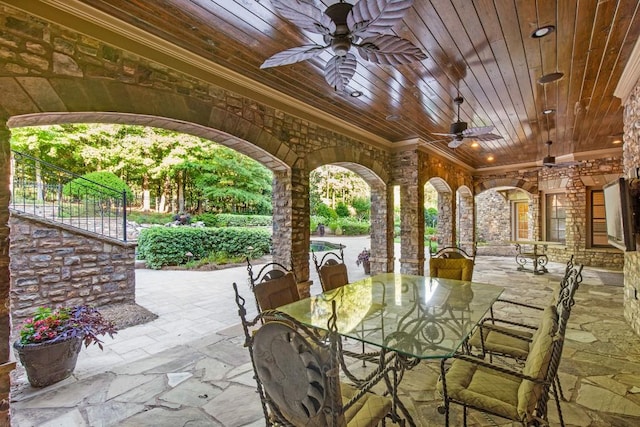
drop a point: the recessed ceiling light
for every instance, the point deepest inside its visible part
(393, 117)
(616, 141)
(475, 144)
(543, 31)
(548, 111)
(551, 77)
(355, 94)
(490, 158)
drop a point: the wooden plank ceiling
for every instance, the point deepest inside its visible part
(481, 49)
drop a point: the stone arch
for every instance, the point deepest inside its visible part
(248, 148)
(529, 186)
(353, 159)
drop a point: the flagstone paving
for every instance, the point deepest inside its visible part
(189, 368)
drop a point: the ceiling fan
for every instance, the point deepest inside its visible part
(459, 131)
(549, 161)
(364, 25)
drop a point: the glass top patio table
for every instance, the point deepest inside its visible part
(417, 316)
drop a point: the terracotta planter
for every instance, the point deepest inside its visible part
(47, 363)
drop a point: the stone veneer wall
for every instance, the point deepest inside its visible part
(575, 182)
(493, 221)
(631, 162)
(55, 265)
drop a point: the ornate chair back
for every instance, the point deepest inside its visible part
(273, 286)
(455, 252)
(331, 269)
(297, 374)
(451, 268)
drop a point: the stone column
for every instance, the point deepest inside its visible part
(446, 214)
(381, 229)
(5, 281)
(465, 223)
(291, 224)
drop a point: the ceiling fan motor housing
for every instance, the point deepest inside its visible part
(457, 127)
(338, 13)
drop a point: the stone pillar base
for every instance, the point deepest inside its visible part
(304, 288)
(412, 266)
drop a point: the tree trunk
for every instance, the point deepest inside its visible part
(146, 195)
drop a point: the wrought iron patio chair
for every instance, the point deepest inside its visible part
(515, 340)
(331, 269)
(273, 286)
(298, 376)
(495, 389)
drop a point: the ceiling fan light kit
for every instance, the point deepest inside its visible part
(365, 25)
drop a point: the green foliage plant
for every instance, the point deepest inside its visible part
(234, 220)
(325, 211)
(97, 185)
(342, 210)
(159, 218)
(161, 246)
(362, 207)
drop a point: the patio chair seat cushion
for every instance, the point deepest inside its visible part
(500, 343)
(451, 268)
(482, 387)
(537, 363)
(367, 411)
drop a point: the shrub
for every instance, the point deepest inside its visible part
(362, 206)
(94, 185)
(150, 217)
(161, 246)
(234, 220)
(342, 210)
(326, 212)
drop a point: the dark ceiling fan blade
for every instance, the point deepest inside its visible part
(340, 70)
(293, 55)
(369, 17)
(305, 15)
(390, 50)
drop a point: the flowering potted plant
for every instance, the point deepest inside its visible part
(363, 258)
(51, 340)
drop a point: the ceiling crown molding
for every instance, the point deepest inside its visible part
(630, 75)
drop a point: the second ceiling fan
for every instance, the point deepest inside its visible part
(460, 132)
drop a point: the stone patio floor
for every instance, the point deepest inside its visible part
(189, 368)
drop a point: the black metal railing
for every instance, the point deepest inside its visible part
(45, 190)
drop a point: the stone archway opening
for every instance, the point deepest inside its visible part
(381, 246)
(504, 214)
(446, 220)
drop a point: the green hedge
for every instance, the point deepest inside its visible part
(349, 227)
(160, 246)
(233, 220)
